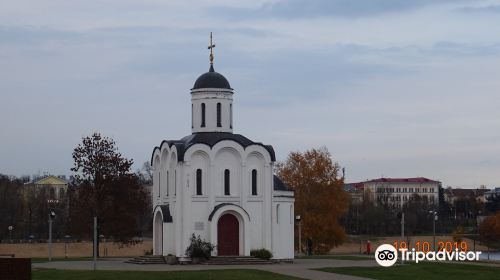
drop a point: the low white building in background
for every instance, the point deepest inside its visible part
(218, 184)
(55, 186)
(396, 191)
(491, 193)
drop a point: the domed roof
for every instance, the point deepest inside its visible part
(211, 79)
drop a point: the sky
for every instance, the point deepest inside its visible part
(391, 88)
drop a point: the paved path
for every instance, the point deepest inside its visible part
(300, 268)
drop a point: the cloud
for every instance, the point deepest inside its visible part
(324, 8)
(480, 9)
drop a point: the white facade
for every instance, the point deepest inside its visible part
(219, 185)
(398, 191)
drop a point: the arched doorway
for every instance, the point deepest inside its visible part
(228, 236)
(158, 234)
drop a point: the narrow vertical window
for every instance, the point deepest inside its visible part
(167, 183)
(159, 183)
(231, 115)
(227, 186)
(202, 114)
(175, 182)
(254, 182)
(192, 116)
(219, 123)
(199, 180)
(278, 214)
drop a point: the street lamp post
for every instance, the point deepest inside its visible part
(52, 215)
(95, 243)
(102, 240)
(297, 218)
(403, 231)
(10, 228)
(66, 238)
(434, 219)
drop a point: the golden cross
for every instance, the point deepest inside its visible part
(211, 47)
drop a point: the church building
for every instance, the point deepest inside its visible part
(218, 184)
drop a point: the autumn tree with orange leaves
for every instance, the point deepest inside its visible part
(489, 230)
(319, 196)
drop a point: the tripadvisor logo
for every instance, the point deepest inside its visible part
(387, 255)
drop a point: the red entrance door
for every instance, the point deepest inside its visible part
(228, 236)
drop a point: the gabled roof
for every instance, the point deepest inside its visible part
(210, 139)
(402, 180)
(280, 185)
(51, 180)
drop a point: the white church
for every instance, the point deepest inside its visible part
(218, 184)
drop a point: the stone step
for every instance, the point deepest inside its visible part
(144, 262)
(147, 260)
(236, 260)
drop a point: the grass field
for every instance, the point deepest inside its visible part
(339, 257)
(239, 274)
(421, 271)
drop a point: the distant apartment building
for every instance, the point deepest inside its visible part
(451, 195)
(356, 192)
(491, 193)
(394, 191)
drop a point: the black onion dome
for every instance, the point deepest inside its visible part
(211, 79)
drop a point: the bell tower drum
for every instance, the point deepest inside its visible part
(212, 101)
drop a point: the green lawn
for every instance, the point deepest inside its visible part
(427, 271)
(239, 274)
(335, 257)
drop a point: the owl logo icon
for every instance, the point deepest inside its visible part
(386, 255)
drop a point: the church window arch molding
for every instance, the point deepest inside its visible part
(163, 171)
(229, 154)
(156, 175)
(199, 160)
(158, 233)
(171, 178)
(258, 153)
